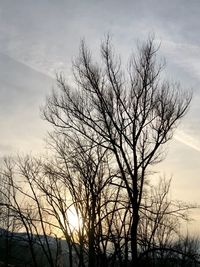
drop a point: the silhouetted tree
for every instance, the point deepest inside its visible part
(131, 114)
(82, 168)
(25, 204)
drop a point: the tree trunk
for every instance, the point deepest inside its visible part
(92, 261)
(134, 252)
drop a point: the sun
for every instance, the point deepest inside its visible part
(75, 222)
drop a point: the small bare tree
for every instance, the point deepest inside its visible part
(25, 205)
(82, 167)
(160, 220)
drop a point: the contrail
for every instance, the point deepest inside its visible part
(187, 140)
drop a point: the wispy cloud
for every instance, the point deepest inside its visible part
(184, 55)
(187, 140)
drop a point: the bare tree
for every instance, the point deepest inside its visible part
(160, 221)
(82, 167)
(132, 114)
(10, 202)
(25, 205)
(8, 221)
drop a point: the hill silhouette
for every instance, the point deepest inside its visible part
(15, 249)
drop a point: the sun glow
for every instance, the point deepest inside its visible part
(75, 222)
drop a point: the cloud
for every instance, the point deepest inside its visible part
(187, 140)
(184, 56)
(22, 92)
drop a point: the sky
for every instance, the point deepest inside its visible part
(41, 37)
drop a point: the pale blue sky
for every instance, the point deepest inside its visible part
(39, 37)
